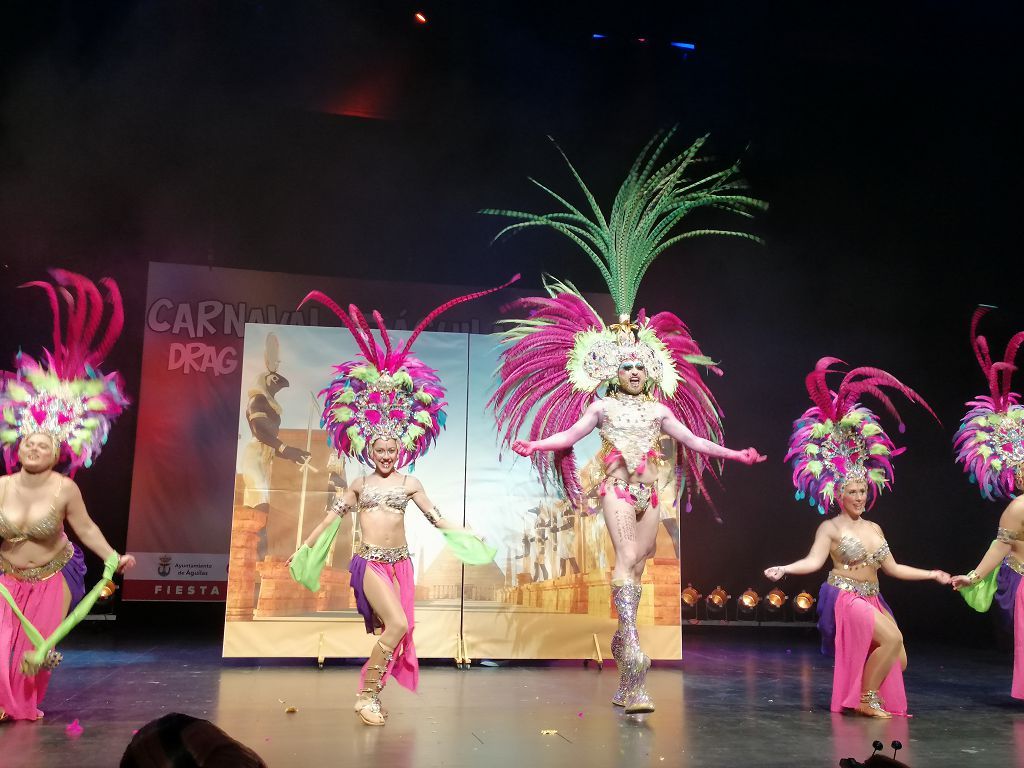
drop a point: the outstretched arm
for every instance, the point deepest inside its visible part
(1011, 519)
(431, 512)
(908, 573)
(675, 429)
(86, 529)
(812, 561)
(565, 439)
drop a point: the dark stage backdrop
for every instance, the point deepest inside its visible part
(335, 141)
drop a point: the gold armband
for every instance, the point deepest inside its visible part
(973, 577)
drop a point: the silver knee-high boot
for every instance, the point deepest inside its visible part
(619, 699)
(633, 663)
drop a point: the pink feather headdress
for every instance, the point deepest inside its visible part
(540, 383)
(387, 393)
(990, 441)
(838, 440)
(66, 395)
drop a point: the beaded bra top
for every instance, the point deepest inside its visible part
(851, 553)
(394, 498)
(40, 530)
(631, 426)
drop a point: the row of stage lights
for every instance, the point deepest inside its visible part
(749, 606)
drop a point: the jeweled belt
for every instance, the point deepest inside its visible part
(862, 588)
(383, 554)
(38, 572)
(1014, 564)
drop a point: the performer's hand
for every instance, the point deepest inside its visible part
(125, 562)
(750, 456)
(523, 447)
(297, 455)
(941, 576)
(960, 581)
(775, 573)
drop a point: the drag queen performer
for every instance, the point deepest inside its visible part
(385, 411)
(557, 359)
(840, 453)
(57, 411)
(990, 445)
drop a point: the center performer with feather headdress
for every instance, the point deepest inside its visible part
(384, 410)
(557, 360)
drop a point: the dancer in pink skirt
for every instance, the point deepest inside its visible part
(841, 454)
(990, 445)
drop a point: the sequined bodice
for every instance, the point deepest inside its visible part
(41, 530)
(851, 553)
(632, 426)
(392, 497)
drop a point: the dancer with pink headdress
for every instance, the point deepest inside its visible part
(384, 410)
(57, 411)
(842, 456)
(990, 446)
(557, 359)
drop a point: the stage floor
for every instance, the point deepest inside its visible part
(741, 696)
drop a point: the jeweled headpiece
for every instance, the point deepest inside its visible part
(389, 393)
(990, 441)
(563, 335)
(67, 396)
(838, 440)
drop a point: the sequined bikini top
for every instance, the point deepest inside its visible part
(40, 530)
(851, 553)
(392, 497)
(631, 426)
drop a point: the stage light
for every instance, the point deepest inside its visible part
(420, 18)
(596, 36)
(641, 39)
(775, 600)
(684, 46)
(803, 603)
(749, 599)
(718, 598)
(690, 597)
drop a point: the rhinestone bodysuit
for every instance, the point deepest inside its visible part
(631, 426)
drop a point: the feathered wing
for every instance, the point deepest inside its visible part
(691, 402)
(534, 387)
(989, 442)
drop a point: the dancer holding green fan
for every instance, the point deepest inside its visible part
(55, 412)
(558, 357)
(384, 410)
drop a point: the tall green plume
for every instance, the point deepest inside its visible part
(650, 203)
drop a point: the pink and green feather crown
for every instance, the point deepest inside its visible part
(65, 394)
(538, 390)
(386, 393)
(989, 443)
(838, 439)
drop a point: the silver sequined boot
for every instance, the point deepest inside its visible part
(632, 661)
(619, 699)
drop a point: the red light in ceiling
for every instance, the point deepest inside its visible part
(420, 18)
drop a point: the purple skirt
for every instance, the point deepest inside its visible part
(1006, 595)
(827, 597)
(74, 576)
